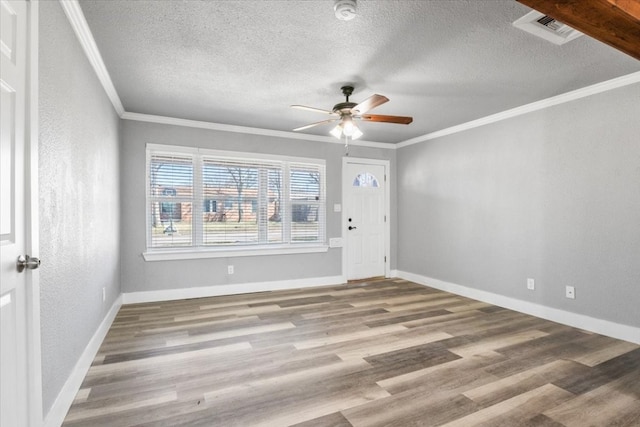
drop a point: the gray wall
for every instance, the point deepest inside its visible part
(139, 275)
(79, 200)
(553, 195)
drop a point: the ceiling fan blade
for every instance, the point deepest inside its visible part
(403, 120)
(369, 104)
(315, 124)
(317, 110)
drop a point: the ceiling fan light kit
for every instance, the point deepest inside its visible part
(345, 10)
(347, 129)
(348, 112)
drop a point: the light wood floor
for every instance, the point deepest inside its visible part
(388, 352)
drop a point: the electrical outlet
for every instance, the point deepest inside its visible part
(229, 269)
(531, 284)
(104, 294)
(570, 292)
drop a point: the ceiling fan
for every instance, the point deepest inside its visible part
(349, 112)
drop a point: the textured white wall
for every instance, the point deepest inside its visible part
(79, 200)
(553, 195)
(138, 275)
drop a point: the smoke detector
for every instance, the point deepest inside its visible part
(546, 27)
(345, 9)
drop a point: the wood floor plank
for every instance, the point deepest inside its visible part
(79, 412)
(448, 302)
(342, 316)
(333, 339)
(522, 382)
(599, 355)
(311, 375)
(497, 342)
(165, 359)
(173, 326)
(401, 317)
(616, 403)
(390, 344)
(599, 375)
(82, 396)
(422, 406)
(237, 311)
(239, 332)
(370, 353)
(469, 373)
(529, 402)
(333, 420)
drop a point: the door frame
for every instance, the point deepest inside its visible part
(32, 223)
(387, 210)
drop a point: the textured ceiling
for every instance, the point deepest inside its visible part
(244, 62)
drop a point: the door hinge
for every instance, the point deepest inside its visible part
(385, 177)
(385, 258)
(385, 218)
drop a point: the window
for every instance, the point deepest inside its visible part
(206, 200)
(365, 180)
(170, 199)
(305, 202)
(210, 205)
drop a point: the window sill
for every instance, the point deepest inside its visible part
(178, 254)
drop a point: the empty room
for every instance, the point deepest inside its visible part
(320, 213)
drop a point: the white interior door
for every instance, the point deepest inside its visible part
(365, 213)
(16, 323)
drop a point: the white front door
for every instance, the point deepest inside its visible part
(365, 213)
(17, 329)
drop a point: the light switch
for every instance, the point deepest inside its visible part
(337, 207)
(335, 242)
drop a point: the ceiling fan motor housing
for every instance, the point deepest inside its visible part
(345, 107)
(338, 108)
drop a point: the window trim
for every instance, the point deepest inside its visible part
(198, 252)
(164, 254)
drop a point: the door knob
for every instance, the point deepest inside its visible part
(25, 261)
(352, 228)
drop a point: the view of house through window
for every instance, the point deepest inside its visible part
(205, 198)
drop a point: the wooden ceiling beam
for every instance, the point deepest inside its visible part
(614, 22)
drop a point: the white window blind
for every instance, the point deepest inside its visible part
(244, 201)
(208, 199)
(306, 202)
(171, 199)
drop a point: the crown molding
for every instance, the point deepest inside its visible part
(247, 130)
(528, 108)
(607, 85)
(81, 28)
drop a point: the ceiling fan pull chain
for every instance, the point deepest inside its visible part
(346, 145)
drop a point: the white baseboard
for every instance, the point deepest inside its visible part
(393, 273)
(599, 326)
(219, 290)
(65, 398)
